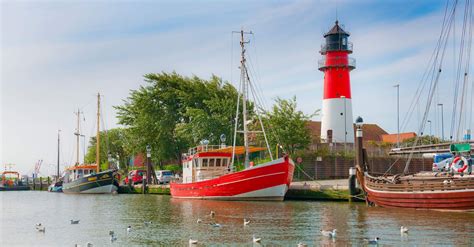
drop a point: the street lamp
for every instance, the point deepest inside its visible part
(398, 114)
(148, 164)
(223, 138)
(429, 121)
(359, 137)
(442, 122)
(345, 123)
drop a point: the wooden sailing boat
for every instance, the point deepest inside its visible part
(208, 170)
(88, 178)
(451, 188)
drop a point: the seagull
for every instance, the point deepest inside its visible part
(255, 239)
(89, 244)
(403, 229)
(41, 229)
(212, 214)
(74, 222)
(112, 236)
(198, 220)
(300, 244)
(192, 241)
(147, 223)
(38, 224)
(215, 224)
(373, 242)
(129, 229)
(246, 222)
(331, 234)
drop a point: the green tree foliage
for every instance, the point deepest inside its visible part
(287, 126)
(424, 140)
(172, 113)
(115, 142)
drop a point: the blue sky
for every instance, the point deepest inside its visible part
(56, 55)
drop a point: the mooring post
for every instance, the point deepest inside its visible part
(41, 183)
(352, 183)
(144, 184)
(34, 183)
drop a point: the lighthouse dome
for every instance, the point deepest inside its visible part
(336, 40)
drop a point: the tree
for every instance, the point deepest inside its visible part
(287, 126)
(113, 142)
(172, 113)
(423, 140)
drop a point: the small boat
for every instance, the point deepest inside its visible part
(209, 171)
(87, 178)
(10, 180)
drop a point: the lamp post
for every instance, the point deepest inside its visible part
(359, 138)
(429, 121)
(398, 114)
(345, 123)
(442, 122)
(148, 164)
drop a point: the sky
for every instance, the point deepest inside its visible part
(57, 55)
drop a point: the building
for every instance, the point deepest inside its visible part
(394, 138)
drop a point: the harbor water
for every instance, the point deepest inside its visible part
(174, 222)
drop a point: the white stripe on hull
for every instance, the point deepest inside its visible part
(275, 193)
(101, 190)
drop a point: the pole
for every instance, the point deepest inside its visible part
(78, 113)
(442, 122)
(244, 98)
(57, 174)
(429, 121)
(398, 114)
(148, 164)
(97, 145)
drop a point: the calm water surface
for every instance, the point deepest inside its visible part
(174, 222)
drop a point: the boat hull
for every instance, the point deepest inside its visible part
(100, 183)
(14, 188)
(424, 194)
(269, 181)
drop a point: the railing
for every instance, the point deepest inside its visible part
(336, 62)
(204, 148)
(336, 46)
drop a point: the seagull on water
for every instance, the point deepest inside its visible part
(112, 236)
(74, 222)
(330, 234)
(198, 220)
(403, 229)
(41, 228)
(246, 222)
(192, 241)
(89, 244)
(147, 223)
(255, 239)
(129, 229)
(375, 241)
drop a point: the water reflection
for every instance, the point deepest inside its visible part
(174, 222)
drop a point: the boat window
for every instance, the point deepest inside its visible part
(224, 162)
(195, 163)
(211, 162)
(218, 162)
(204, 162)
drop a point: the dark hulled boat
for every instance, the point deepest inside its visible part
(87, 181)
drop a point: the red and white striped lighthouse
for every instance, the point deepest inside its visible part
(336, 123)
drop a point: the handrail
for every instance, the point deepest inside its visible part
(336, 62)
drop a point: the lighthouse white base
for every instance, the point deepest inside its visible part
(337, 119)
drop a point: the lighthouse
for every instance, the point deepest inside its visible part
(336, 123)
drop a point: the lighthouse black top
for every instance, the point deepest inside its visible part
(336, 40)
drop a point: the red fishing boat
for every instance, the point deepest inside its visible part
(211, 172)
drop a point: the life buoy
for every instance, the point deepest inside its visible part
(456, 160)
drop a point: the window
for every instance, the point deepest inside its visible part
(204, 162)
(224, 162)
(211, 162)
(218, 162)
(344, 41)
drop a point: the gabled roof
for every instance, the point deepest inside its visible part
(336, 30)
(392, 138)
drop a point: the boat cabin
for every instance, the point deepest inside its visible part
(206, 162)
(79, 171)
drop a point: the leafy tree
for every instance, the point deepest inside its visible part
(287, 126)
(115, 142)
(424, 140)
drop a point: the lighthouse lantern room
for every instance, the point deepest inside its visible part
(336, 121)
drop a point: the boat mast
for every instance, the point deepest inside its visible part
(57, 174)
(77, 134)
(97, 145)
(243, 79)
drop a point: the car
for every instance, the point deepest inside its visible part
(136, 176)
(164, 176)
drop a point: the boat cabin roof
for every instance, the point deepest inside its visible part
(217, 150)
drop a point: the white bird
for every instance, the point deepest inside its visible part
(74, 222)
(38, 224)
(330, 234)
(215, 224)
(255, 239)
(147, 223)
(212, 214)
(403, 229)
(246, 222)
(300, 244)
(198, 220)
(89, 244)
(112, 236)
(129, 229)
(192, 241)
(373, 242)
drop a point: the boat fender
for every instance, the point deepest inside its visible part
(456, 160)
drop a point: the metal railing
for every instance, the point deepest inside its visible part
(336, 46)
(336, 62)
(204, 148)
